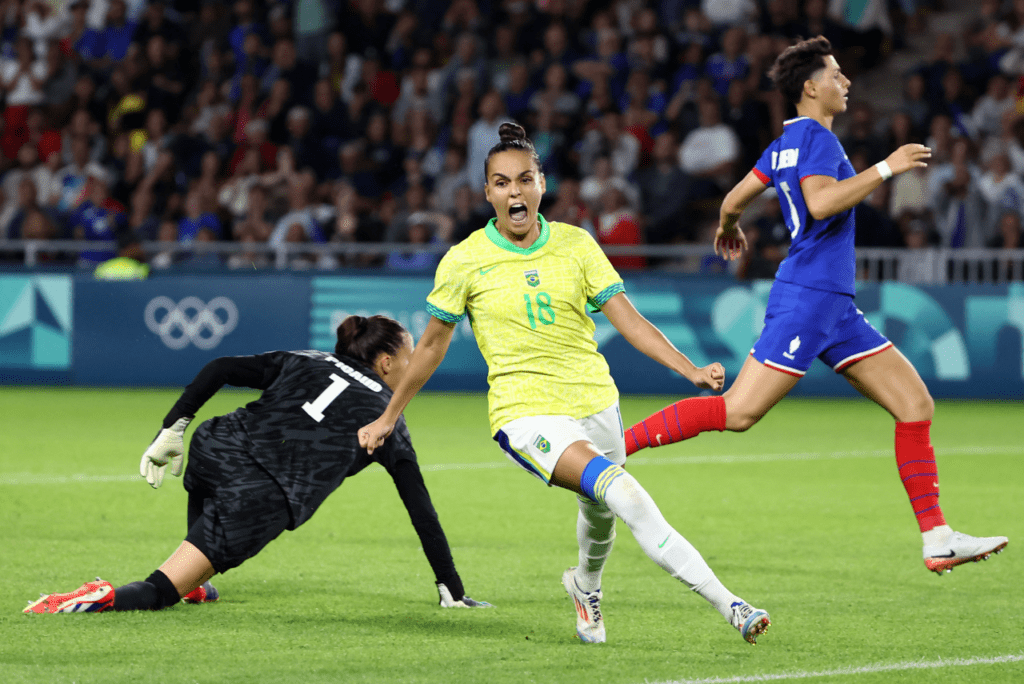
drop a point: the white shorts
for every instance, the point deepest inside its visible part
(535, 443)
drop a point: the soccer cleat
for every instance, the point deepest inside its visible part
(205, 593)
(961, 548)
(750, 621)
(91, 597)
(589, 622)
(448, 601)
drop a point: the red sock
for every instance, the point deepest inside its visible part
(916, 460)
(682, 420)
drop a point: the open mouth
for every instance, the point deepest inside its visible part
(518, 213)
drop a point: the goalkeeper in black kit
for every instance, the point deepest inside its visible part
(267, 467)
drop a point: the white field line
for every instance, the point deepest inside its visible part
(723, 459)
(851, 671)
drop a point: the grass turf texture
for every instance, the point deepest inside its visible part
(825, 541)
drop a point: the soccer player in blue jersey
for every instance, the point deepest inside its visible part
(810, 311)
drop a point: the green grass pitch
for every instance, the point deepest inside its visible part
(803, 516)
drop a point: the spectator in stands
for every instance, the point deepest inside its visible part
(341, 68)
(300, 213)
(166, 81)
(915, 101)
(594, 186)
(21, 82)
(30, 222)
(664, 189)
(68, 185)
(555, 97)
(618, 224)
(419, 231)
(483, 135)
(934, 69)
(502, 59)
(197, 220)
(610, 139)
(862, 133)
(1001, 190)
(104, 47)
(730, 64)
(143, 222)
(99, 218)
(569, 206)
(274, 110)
(955, 103)
(956, 200)
(606, 63)
(709, 154)
(748, 117)
(989, 109)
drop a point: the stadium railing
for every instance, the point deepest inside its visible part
(929, 266)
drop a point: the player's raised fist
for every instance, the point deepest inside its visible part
(710, 377)
(908, 157)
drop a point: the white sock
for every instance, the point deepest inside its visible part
(595, 532)
(662, 544)
(936, 536)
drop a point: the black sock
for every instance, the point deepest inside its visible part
(156, 593)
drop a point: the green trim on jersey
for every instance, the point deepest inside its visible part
(602, 297)
(495, 236)
(443, 315)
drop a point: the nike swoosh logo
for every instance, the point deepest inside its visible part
(483, 272)
(658, 437)
(945, 555)
(663, 543)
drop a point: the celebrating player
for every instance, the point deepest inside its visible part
(267, 467)
(525, 284)
(810, 310)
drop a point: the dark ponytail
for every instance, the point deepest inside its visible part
(364, 339)
(513, 137)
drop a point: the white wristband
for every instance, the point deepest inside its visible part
(884, 170)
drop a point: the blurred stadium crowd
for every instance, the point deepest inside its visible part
(368, 120)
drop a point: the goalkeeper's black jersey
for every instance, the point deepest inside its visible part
(303, 429)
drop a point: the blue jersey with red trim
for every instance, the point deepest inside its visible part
(822, 251)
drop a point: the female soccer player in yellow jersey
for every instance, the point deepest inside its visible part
(525, 284)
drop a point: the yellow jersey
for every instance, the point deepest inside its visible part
(528, 309)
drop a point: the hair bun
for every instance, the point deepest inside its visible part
(511, 132)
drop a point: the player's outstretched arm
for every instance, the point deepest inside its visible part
(256, 372)
(729, 238)
(646, 337)
(426, 357)
(825, 196)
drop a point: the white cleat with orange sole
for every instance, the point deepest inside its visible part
(961, 548)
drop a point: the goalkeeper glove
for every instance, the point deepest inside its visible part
(168, 447)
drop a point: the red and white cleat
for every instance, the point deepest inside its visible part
(91, 597)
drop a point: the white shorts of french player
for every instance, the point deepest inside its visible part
(535, 443)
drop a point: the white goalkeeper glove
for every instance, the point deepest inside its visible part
(168, 447)
(448, 601)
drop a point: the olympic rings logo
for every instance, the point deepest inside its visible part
(191, 321)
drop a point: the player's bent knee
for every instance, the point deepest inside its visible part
(737, 421)
(597, 476)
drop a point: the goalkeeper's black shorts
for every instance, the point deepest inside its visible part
(234, 507)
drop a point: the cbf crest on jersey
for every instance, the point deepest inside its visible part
(532, 278)
(541, 443)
